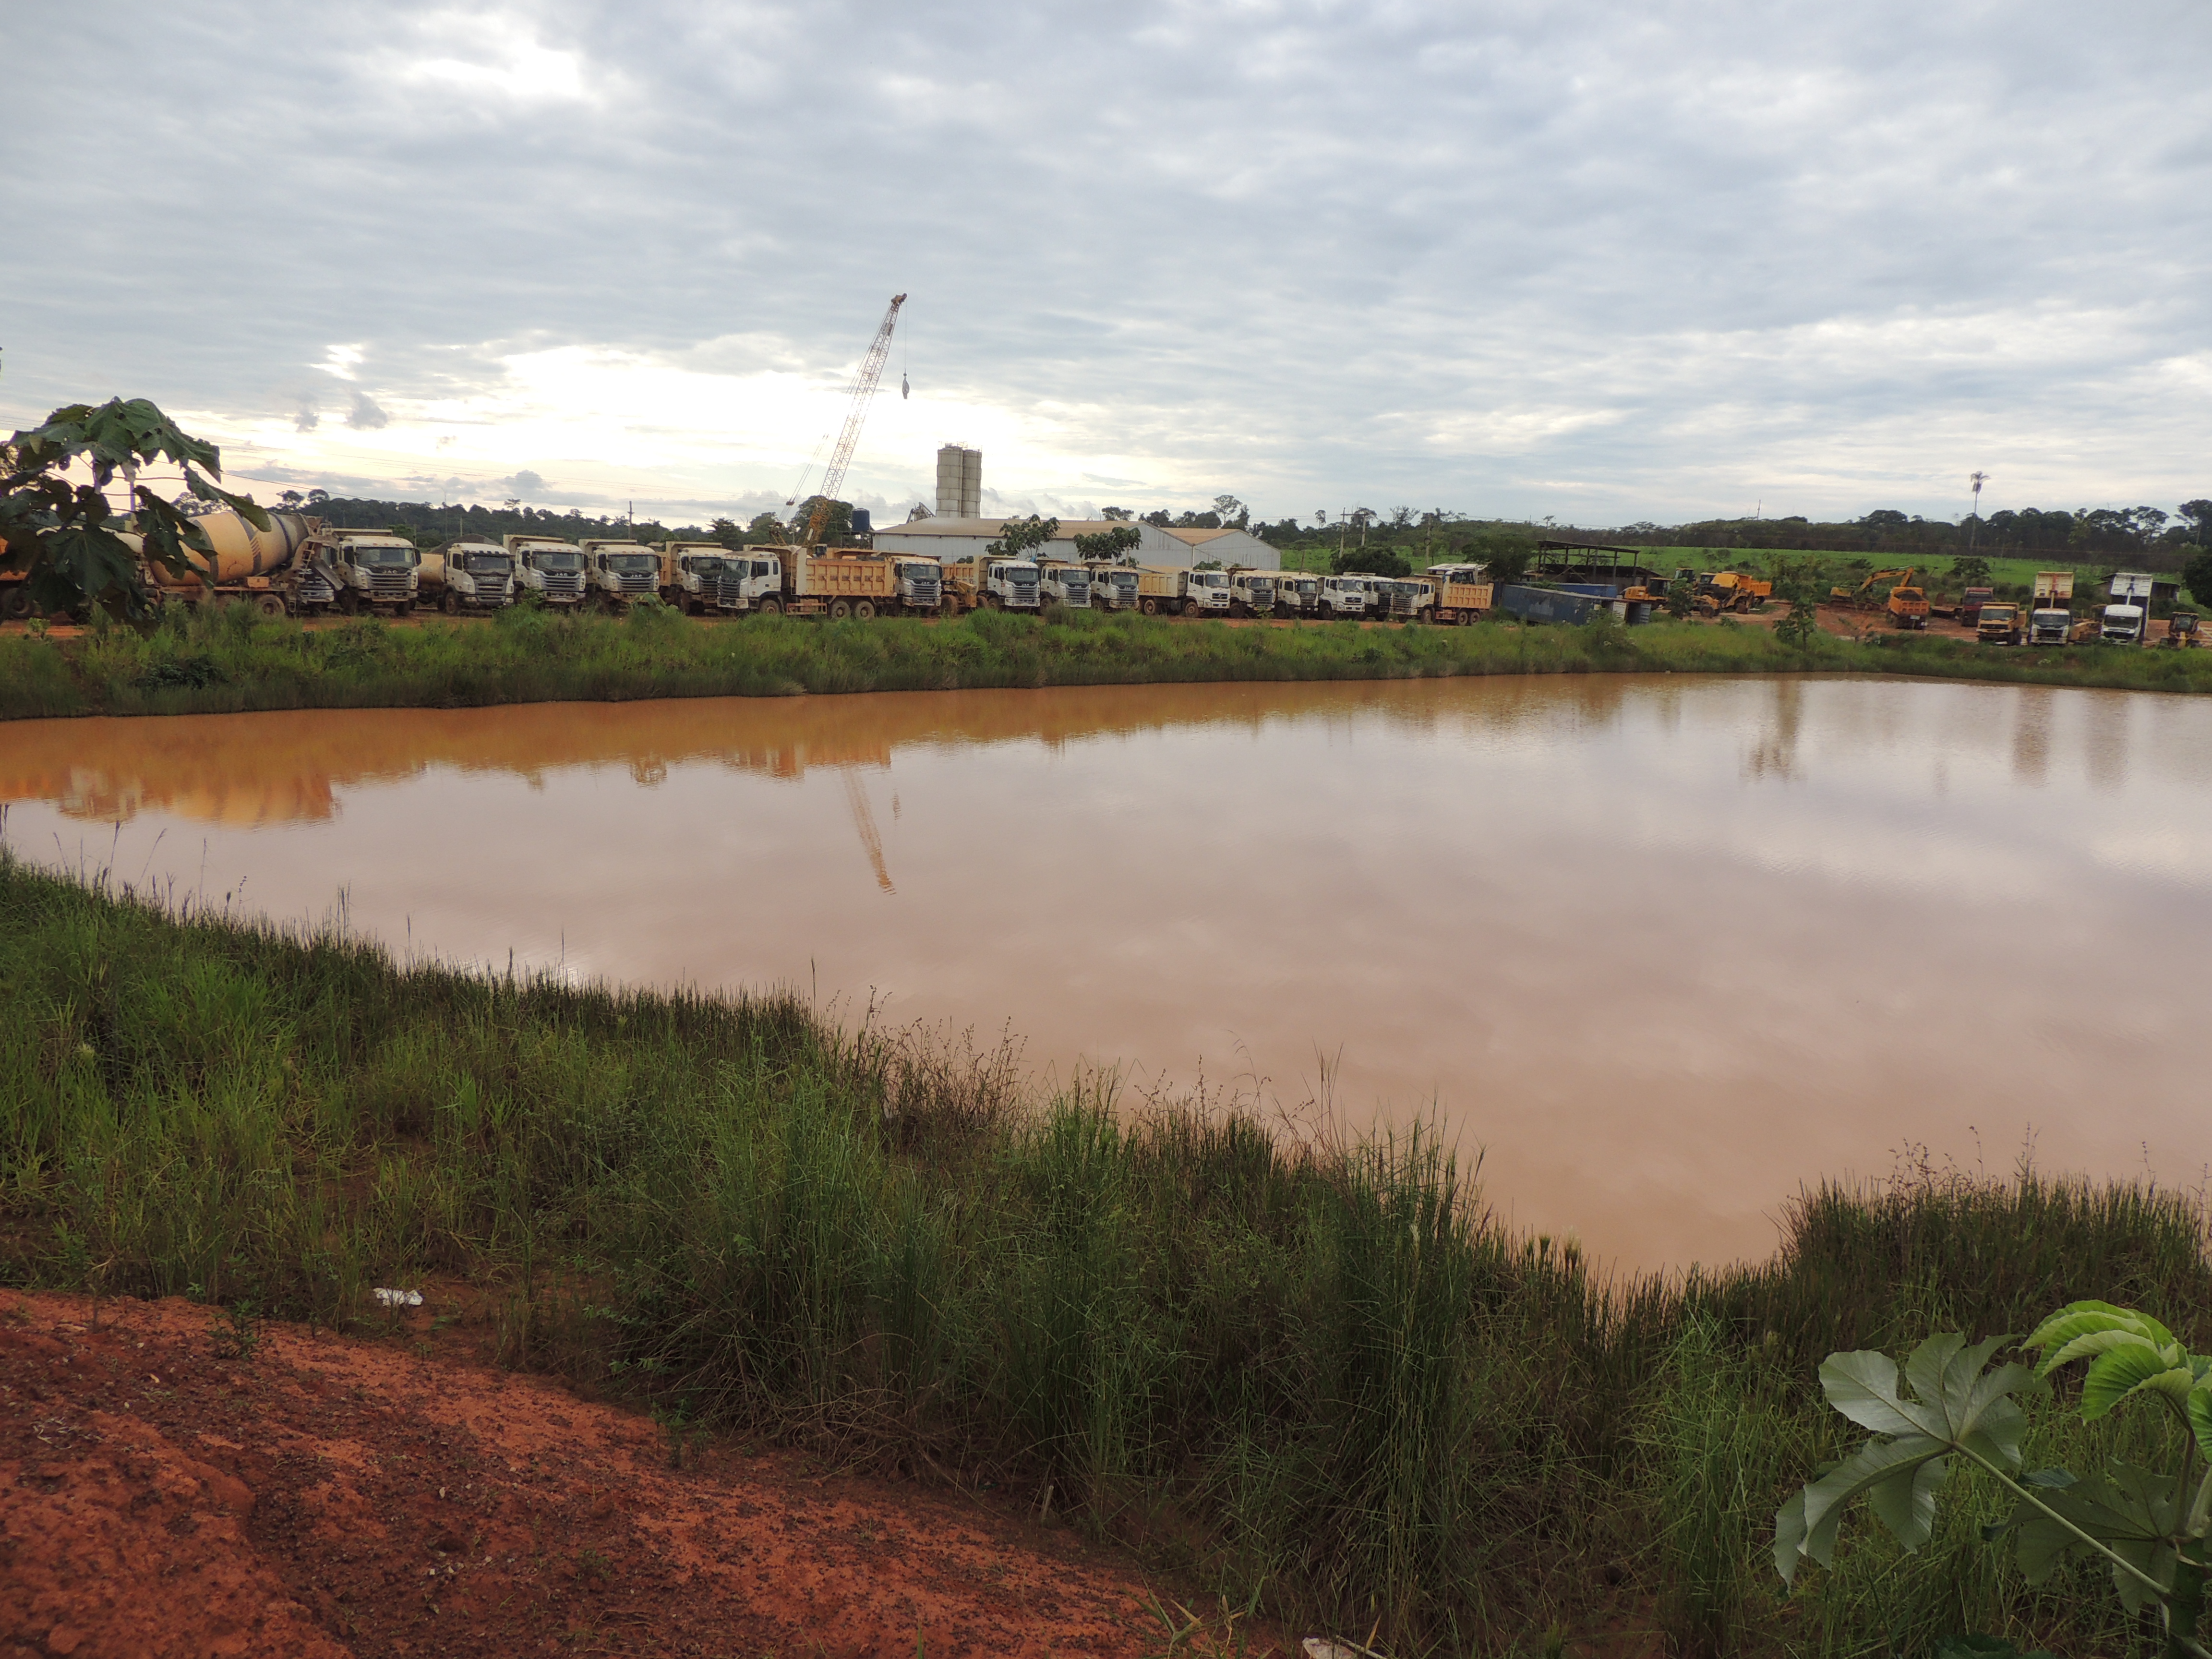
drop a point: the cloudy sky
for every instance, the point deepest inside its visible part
(1599, 261)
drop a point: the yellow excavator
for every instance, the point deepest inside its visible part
(1905, 601)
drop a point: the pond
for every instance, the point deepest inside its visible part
(1658, 949)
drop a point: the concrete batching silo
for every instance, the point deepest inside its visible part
(959, 482)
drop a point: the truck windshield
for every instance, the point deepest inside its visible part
(543, 560)
(632, 561)
(486, 564)
(706, 566)
(384, 557)
(1208, 578)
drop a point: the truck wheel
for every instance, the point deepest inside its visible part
(349, 602)
(992, 602)
(271, 604)
(16, 602)
(1150, 607)
(450, 603)
(771, 607)
(839, 610)
(863, 611)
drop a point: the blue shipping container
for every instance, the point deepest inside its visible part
(1546, 605)
(1595, 590)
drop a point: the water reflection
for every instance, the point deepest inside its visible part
(1663, 947)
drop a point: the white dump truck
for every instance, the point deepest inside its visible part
(999, 584)
(1206, 593)
(617, 574)
(2127, 622)
(1252, 592)
(547, 567)
(1115, 587)
(363, 569)
(1345, 599)
(467, 576)
(1161, 588)
(1066, 583)
(2051, 614)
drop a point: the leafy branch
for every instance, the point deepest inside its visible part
(75, 549)
(2149, 1525)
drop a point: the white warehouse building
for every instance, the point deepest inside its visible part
(959, 538)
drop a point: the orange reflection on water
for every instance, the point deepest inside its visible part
(1663, 948)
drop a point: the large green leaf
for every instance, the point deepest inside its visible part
(2200, 1416)
(1952, 1406)
(2131, 1511)
(1890, 1470)
(2082, 1329)
(2120, 1371)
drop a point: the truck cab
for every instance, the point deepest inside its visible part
(1207, 593)
(1970, 602)
(2123, 624)
(1407, 599)
(1065, 583)
(699, 577)
(1298, 596)
(1115, 587)
(620, 572)
(1252, 592)
(468, 576)
(1997, 622)
(547, 567)
(1011, 585)
(921, 584)
(364, 570)
(1343, 598)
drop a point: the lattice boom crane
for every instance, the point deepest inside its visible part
(863, 388)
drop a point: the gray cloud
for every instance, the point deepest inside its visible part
(365, 416)
(1592, 260)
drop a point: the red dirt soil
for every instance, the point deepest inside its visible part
(334, 1496)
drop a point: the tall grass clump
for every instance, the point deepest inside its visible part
(1322, 1373)
(218, 660)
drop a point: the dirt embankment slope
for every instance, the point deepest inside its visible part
(329, 1497)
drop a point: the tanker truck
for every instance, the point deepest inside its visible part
(468, 576)
(357, 570)
(547, 566)
(619, 572)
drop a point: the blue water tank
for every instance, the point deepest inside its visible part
(861, 525)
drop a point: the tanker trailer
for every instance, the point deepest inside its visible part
(260, 568)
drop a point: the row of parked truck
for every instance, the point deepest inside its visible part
(301, 566)
(2048, 617)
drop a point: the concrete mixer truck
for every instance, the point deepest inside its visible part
(260, 568)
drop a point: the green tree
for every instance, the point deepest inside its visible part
(1111, 544)
(65, 537)
(1019, 536)
(835, 529)
(2198, 516)
(1972, 571)
(2197, 575)
(1370, 561)
(766, 529)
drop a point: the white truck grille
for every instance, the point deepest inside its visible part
(388, 584)
(635, 581)
(563, 581)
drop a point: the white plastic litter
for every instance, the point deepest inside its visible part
(1319, 1647)
(398, 1298)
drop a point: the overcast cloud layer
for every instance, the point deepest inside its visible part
(1604, 262)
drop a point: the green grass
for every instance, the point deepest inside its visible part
(231, 660)
(1322, 1374)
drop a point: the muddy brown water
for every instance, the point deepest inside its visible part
(1659, 949)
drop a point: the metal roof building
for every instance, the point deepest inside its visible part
(960, 538)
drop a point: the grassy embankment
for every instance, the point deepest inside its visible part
(1325, 1372)
(231, 660)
